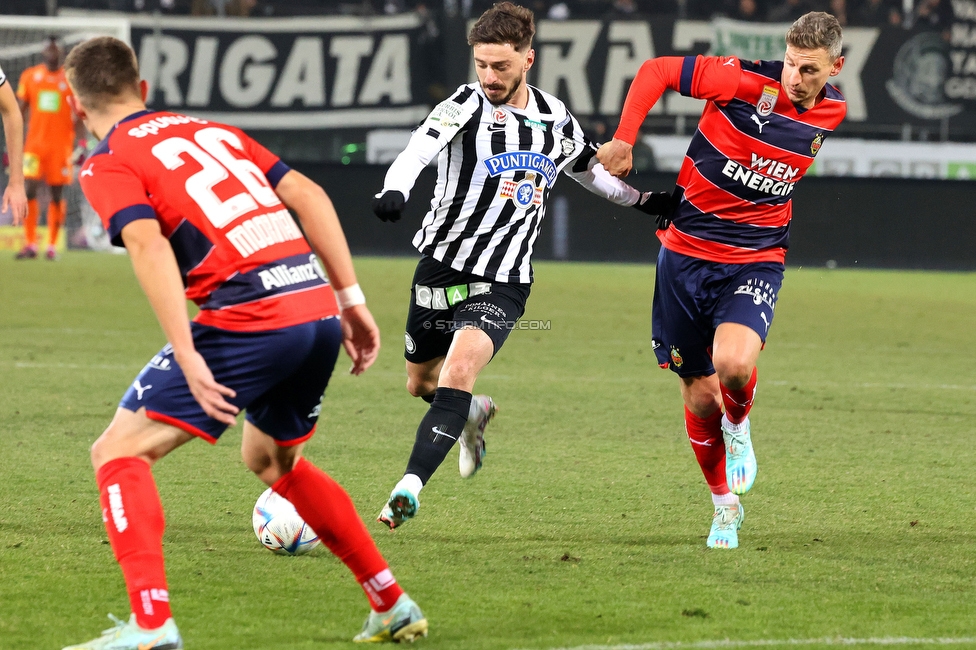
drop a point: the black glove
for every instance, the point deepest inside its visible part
(388, 205)
(657, 204)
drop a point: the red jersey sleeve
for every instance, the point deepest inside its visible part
(116, 193)
(714, 78)
(267, 162)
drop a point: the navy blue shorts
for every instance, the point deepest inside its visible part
(692, 297)
(279, 376)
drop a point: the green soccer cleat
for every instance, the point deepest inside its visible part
(403, 505)
(129, 636)
(472, 452)
(740, 457)
(405, 622)
(725, 526)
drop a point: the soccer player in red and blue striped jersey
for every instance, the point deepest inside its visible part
(203, 212)
(721, 262)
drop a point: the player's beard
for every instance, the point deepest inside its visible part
(508, 95)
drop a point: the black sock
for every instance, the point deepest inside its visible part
(438, 431)
(429, 398)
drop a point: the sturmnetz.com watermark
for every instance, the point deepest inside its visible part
(489, 323)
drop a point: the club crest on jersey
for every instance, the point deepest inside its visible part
(817, 142)
(522, 161)
(568, 147)
(523, 194)
(767, 101)
(676, 357)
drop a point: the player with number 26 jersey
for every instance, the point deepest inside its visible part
(243, 259)
(204, 212)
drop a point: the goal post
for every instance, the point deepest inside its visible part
(22, 41)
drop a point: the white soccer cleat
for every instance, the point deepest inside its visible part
(127, 635)
(472, 451)
(404, 622)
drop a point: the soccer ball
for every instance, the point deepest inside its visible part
(279, 528)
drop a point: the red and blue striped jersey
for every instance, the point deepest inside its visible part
(751, 147)
(243, 259)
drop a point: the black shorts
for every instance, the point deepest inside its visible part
(443, 301)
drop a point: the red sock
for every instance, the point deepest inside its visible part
(133, 517)
(738, 402)
(705, 435)
(326, 507)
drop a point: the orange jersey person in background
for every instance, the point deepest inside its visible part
(43, 94)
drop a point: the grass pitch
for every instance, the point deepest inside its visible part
(587, 524)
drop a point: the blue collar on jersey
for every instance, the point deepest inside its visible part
(102, 147)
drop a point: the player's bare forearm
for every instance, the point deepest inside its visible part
(158, 273)
(361, 336)
(14, 197)
(321, 225)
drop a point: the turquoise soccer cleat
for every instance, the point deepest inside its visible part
(472, 452)
(740, 457)
(127, 635)
(725, 527)
(405, 622)
(403, 505)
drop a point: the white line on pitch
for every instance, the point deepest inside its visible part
(727, 643)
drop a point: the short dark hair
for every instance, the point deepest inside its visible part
(102, 69)
(817, 30)
(505, 22)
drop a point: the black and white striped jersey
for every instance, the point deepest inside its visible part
(3, 77)
(495, 168)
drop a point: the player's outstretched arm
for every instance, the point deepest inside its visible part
(158, 273)
(361, 336)
(14, 197)
(388, 203)
(434, 133)
(712, 78)
(593, 176)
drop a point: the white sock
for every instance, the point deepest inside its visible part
(729, 426)
(411, 483)
(725, 499)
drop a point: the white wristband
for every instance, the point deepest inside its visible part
(350, 297)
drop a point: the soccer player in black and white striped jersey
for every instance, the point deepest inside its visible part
(500, 145)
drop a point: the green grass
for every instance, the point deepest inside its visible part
(587, 524)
